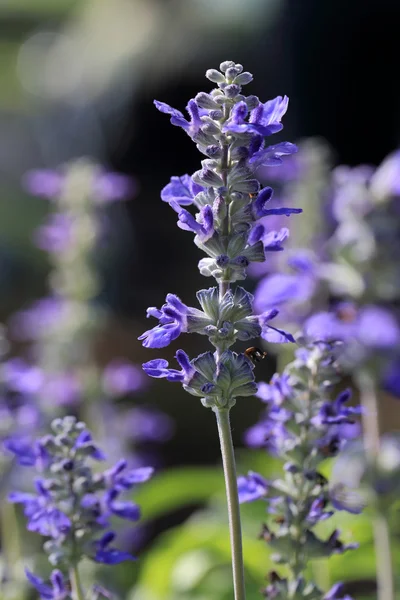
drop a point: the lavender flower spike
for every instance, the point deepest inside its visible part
(302, 427)
(222, 204)
(73, 504)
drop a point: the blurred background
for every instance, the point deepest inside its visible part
(78, 78)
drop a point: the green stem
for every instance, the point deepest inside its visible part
(383, 553)
(370, 418)
(76, 586)
(228, 461)
(370, 415)
(10, 536)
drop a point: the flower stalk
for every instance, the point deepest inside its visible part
(76, 585)
(303, 427)
(381, 530)
(229, 128)
(229, 466)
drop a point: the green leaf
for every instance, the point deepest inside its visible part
(195, 548)
(178, 487)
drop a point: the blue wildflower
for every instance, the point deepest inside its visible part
(252, 487)
(173, 321)
(181, 191)
(191, 127)
(109, 556)
(71, 497)
(159, 368)
(57, 589)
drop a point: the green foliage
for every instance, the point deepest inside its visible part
(36, 7)
(192, 561)
(178, 487)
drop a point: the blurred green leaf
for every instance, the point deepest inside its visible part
(178, 487)
(42, 7)
(183, 556)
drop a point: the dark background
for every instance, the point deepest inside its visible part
(79, 78)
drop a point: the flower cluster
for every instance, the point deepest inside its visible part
(62, 327)
(340, 280)
(73, 504)
(302, 427)
(358, 481)
(229, 128)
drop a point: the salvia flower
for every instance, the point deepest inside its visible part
(303, 427)
(223, 206)
(56, 589)
(73, 505)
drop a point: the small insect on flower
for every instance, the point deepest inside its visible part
(255, 354)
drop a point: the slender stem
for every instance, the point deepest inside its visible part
(223, 288)
(76, 586)
(228, 460)
(383, 553)
(370, 417)
(370, 414)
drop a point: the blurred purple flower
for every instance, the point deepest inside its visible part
(57, 589)
(63, 389)
(107, 186)
(173, 321)
(44, 183)
(21, 377)
(391, 378)
(180, 191)
(30, 323)
(120, 377)
(371, 326)
(252, 487)
(144, 424)
(56, 235)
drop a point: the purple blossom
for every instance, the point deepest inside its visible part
(336, 412)
(276, 391)
(273, 240)
(264, 120)
(173, 321)
(158, 368)
(282, 290)
(145, 424)
(252, 487)
(337, 593)
(21, 377)
(43, 517)
(273, 334)
(385, 180)
(271, 156)
(22, 448)
(261, 202)
(57, 589)
(120, 377)
(181, 191)
(391, 378)
(106, 186)
(57, 235)
(371, 326)
(71, 492)
(191, 127)
(120, 478)
(109, 556)
(317, 511)
(63, 389)
(44, 183)
(203, 227)
(42, 315)
(109, 187)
